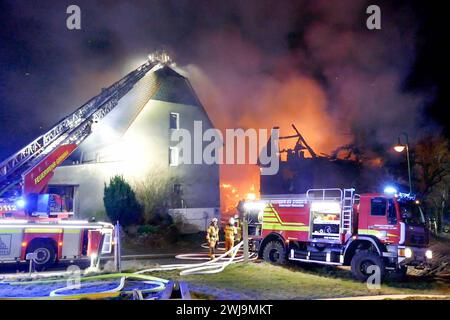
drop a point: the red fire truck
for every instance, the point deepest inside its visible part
(40, 223)
(339, 227)
(35, 222)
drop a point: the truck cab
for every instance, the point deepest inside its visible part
(398, 223)
(35, 207)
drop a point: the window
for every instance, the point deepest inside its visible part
(392, 213)
(174, 120)
(177, 188)
(173, 156)
(411, 213)
(378, 207)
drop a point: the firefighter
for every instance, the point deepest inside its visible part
(212, 236)
(230, 233)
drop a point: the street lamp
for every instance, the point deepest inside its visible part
(400, 147)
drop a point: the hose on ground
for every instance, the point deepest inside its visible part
(157, 285)
(56, 292)
(213, 266)
(209, 267)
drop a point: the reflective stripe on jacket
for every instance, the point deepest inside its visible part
(212, 234)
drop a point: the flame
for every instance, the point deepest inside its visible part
(254, 99)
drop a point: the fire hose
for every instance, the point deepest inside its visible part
(157, 284)
(213, 266)
(154, 285)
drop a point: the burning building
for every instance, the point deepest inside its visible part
(133, 140)
(301, 168)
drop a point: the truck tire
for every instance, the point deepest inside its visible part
(45, 254)
(274, 252)
(362, 260)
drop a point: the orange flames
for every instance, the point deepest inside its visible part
(245, 95)
(299, 101)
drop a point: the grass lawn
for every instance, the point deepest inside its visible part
(265, 281)
(261, 280)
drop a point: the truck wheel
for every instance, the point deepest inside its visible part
(362, 261)
(274, 252)
(45, 254)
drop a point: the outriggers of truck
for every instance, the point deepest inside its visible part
(339, 227)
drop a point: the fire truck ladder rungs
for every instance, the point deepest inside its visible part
(347, 210)
(72, 129)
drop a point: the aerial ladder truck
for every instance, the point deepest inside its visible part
(37, 223)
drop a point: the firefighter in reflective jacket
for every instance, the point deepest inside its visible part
(212, 236)
(230, 233)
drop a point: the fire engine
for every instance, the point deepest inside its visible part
(34, 221)
(341, 228)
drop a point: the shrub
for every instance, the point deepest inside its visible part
(121, 203)
(155, 191)
(147, 229)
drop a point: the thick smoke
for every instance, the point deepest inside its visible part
(254, 63)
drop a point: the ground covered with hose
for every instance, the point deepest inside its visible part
(222, 278)
(88, 287)
(118, 285)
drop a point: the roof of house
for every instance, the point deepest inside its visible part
(163, 84)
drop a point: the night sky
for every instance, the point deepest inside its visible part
(253, 63)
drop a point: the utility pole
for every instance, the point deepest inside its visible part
(400, 147)
(409, 166)
(117, 249)
(245, 237)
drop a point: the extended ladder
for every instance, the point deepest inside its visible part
(72, 129)
(347, 210)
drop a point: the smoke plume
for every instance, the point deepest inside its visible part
(253, 63)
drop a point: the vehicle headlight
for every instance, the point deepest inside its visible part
(429, 254)
(408, 253)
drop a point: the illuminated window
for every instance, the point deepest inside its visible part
(174, 120)
(173, 156)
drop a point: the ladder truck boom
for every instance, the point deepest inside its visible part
(36, 224)
(73, 129)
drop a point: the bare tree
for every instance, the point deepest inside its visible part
(432, 168)
(155, 191)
